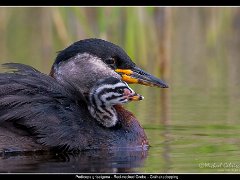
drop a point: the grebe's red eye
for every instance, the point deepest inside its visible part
(110, 61)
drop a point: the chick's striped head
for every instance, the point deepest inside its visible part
(105, 94)
(112, 91)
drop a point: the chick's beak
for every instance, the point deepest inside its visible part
(138, 76)
(132, 96)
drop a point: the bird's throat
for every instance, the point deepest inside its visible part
(106, 116)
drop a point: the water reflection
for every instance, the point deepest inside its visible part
(102, 161)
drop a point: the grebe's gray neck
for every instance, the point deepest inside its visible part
(82, 71)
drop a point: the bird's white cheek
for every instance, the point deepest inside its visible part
(125, 100)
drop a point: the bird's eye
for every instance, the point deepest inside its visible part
(120, 91)
(110, 61)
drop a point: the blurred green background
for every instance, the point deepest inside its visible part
(194, 49)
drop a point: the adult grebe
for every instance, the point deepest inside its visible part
(42, 112)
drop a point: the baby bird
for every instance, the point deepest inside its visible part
(107, 93)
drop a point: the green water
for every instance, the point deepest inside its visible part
(201, 133)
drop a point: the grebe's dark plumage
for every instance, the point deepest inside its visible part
(39, 111)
